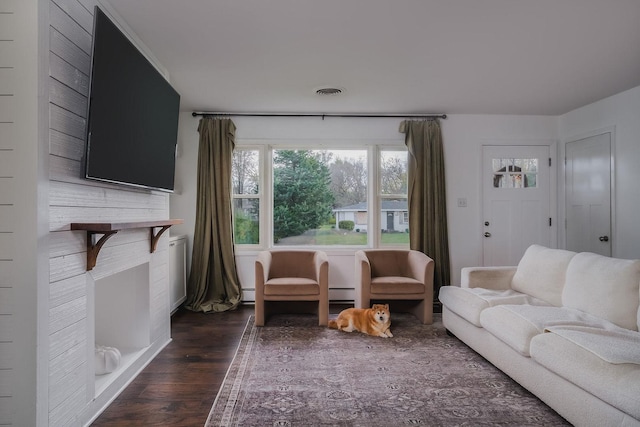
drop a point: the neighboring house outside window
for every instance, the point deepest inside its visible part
(391, 209)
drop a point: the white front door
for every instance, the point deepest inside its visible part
(516, 201)
(588, 194)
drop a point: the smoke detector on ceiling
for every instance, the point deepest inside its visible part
(329, 91)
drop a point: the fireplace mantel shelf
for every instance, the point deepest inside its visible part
(108, 229)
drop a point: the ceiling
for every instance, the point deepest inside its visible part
(539, 57)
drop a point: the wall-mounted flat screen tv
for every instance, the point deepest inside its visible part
(133, 114)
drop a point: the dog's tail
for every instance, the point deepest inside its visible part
(333, 324)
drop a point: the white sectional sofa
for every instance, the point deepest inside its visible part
(562, 324)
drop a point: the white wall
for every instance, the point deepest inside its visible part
(463, 136)
(620, 112)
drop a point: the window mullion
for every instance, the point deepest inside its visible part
(374, 197)
(266, 178)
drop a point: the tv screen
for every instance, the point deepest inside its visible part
(133, 114)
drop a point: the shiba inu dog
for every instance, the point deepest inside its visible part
(374, 321)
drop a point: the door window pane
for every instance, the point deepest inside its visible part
(515, 173)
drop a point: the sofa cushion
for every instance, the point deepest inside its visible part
(498, 278)
(616, 384)
(468, 303)
(286, 286)
(605, 287)
(617, 345)
(541, 273)
(516, 325)
(396, 285)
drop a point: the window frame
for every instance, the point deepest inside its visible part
(260, 196)
(266, 150)
(388, 196)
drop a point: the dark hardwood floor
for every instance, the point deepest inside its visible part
(179, 386)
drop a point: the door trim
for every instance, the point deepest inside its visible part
(553, 183)
(562, 194)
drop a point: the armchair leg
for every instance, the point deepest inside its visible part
(323, 313)
(259, 314)
(424, 311)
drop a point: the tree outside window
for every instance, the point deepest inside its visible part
(308, 187)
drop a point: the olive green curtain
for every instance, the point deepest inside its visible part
(213, 282)
(427, 196)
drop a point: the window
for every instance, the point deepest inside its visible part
(313, 197)
(319, 196)
(246, 193)
(515, 173)
(394, 208)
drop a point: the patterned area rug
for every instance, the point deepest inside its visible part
(292, 372)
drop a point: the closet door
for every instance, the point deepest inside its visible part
(588, 194)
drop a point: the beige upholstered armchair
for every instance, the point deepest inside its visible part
(402, 276)
(288, 280)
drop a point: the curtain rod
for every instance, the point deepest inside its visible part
(323, 115)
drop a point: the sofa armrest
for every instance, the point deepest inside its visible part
(496, 278)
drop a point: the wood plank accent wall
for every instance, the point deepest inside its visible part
(74, 199)
(8, 146)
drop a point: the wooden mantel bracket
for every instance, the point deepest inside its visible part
(94, 248)
(108, 229)
(156, 236)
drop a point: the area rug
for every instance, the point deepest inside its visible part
(293, 372)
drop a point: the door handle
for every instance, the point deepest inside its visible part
(604, 238)
(487, 234)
